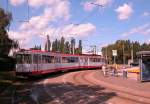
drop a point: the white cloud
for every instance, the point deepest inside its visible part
(144, 30)
(57, 11)
(148, 41)
(41, 25)
(70, 30)
(17, 2)
(124, 11)
(89, 7)
(23, 37)
(146, 14)
(37, 25)
(103, 2)
(67, 31)
(80, 30)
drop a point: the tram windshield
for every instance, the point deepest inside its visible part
(23, 58)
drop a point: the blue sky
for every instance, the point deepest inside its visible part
(118, 19)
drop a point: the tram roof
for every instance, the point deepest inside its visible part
(40, 51)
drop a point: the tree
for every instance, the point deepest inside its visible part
(124, 50)
(67, 47)
(78, 50)
(145, 47)
(72, 45)
(80, 46)
(5, 42)
(36, 47)
(62, 44)
(48, 44)
(55, 45)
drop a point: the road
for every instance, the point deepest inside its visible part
(78, 87)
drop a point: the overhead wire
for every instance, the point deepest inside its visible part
(28, 12)
(86, 17)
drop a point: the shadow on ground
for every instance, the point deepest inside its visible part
(49, 75)
(55, 93)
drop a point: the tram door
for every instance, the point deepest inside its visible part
(37, 62)
(81, 61)
(57, 61)
(86, 61)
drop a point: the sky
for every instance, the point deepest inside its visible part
(95, 22)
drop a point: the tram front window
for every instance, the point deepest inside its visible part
(27, 58)
(19, 58)
(23, 58)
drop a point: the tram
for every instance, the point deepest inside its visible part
(37, 62)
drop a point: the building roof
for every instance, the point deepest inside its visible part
(144, 53)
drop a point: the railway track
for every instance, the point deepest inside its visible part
(77, 78)
(83, 78)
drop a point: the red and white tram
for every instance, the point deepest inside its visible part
(37, 62)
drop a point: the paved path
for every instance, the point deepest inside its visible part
(126, 93)
(80, 87)
(124, 82)
(138, 90)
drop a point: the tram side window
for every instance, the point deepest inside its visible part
(92, 60)
(35, 59)
(47, 59)
(64, 60)
(95, 59)
(57, 60)
(103, 60)
(98, 60)
(19, 58)
(73, 59)
(27, 58)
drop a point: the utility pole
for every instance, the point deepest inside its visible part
(123, 55)
(114, 59)
(93, 48)
(132, 53)
(106, 55)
